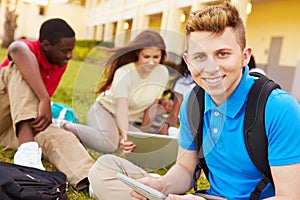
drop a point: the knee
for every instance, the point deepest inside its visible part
(107, 161)
(101, 168)
(110, 148)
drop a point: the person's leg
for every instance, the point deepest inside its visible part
(101, 132)
(24, 132)
(18, 106)
(8, 136)
(23, 104)
(64, 150)
(105, 184)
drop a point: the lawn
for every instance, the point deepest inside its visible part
(77, 90)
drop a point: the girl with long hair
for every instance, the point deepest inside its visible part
(133, 81)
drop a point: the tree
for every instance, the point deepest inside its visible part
(10, 23)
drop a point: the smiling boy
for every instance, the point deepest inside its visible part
(217, 58)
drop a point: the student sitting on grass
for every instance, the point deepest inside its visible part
(183, 84)
(28, 78)
(133, 82)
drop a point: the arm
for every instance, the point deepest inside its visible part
(283, 140)
(286, 181)
(149, 116)
(27, 64)
(173, 117)
(122, 120)
(182, 170)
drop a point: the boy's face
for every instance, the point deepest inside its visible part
(215, 62)
(61, 52)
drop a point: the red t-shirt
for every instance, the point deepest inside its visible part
(51, 74)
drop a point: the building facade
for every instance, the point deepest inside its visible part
(32, 13)
(120, 20)
(273, 26)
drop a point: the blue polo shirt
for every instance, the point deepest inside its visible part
(232, 173)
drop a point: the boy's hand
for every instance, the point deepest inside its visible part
(44, 118)
(149, 181)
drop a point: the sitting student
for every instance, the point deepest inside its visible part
(183, 84)
(28, 77)
(217, 57)
(134, 81)
(163, 109)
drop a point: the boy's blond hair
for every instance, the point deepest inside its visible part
(215, 19)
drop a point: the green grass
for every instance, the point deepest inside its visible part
(77, 89)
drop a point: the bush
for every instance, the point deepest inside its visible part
(80, 53)
(93, 43)
(84, 47)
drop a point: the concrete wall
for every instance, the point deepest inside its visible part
(276, 19)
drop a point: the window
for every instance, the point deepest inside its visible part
(42, 10)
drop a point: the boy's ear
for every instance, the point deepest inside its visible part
(45, 44)
(246, 55)
(186, 60)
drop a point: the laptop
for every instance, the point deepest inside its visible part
(153, 151)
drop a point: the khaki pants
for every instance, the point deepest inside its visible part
(106, 185)
(60, 147)
(64, 150)
(17, 103)
(104, 182)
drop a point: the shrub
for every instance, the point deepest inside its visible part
(84, 47)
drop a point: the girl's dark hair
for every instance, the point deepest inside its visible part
(53, 30)
(252, 63)
(183, 69)
(129, 53)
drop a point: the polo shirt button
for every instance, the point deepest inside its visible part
(216, 113)
(215, 130)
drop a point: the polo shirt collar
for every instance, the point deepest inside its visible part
(232, 106)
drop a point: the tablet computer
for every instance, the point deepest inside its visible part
(153, 194)
(153, 151)
(150, 193)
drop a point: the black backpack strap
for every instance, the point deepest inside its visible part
(195, 119)
(254, 127)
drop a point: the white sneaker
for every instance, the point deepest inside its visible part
(29, 154)
(58, 123)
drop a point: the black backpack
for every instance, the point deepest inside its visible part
(254, 129)
(25, 183)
